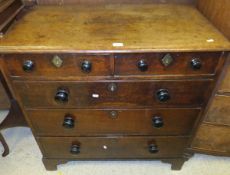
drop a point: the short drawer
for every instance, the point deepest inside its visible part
(219, 111)
(112, 147)
(60, 65)
(166, 63)
(113, 94)
(90, 122)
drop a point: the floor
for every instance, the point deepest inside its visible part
(25, 159)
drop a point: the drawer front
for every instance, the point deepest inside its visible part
(112, 147)
(219, 111)
(105, 122)
(213, 138)
(113, 94)
(166, 63)
(61, 65)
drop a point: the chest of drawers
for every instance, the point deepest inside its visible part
(110, 111)
(90, 101)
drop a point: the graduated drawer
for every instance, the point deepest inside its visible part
(112, 147)
(113, 94)
(60, 65)
(166, 63)
(90, 122)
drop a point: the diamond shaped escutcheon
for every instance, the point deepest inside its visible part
(57, 61)
(167, 60)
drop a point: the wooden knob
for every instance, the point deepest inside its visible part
(28, 66)
(153, 148)
(196, 63)
(68, 121)
(157, 122)
(163, 95)
(86, 66)
(142, 65)
(75, 149)
(62, 95)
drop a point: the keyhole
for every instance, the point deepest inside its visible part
(104, 147)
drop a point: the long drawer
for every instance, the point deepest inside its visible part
(112, 147)
(113, 94)
(109, 122)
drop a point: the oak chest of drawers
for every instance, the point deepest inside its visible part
(85, 102)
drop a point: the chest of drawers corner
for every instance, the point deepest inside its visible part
(113, 106)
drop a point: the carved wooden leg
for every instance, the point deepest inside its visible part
(51, 164)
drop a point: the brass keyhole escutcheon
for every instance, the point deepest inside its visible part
(57, 61)
(113, 114)
(112, 87)
(167, 60)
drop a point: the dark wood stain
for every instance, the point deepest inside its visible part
(110, 102)
(117, 147)
(140, 94)
(90, 122)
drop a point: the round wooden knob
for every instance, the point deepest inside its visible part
(153, 148)
(86, 66)
(196, 63)
(68, 121)
(75, 149)
(158, 122)
(62, 95)
(142, 65)
(28, 66)
(163, 95)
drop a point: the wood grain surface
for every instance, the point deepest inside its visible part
(213, 139)
(117, 147)
(114, 28)
(70, 66)
(127, 95)
(96, 122)
(219, 112)
(218, 12)
(126, 64)
(225, 84)
(212, 135)
(165, 27)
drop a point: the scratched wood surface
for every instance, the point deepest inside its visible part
(152, 27)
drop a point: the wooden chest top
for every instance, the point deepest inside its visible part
(113, 28)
